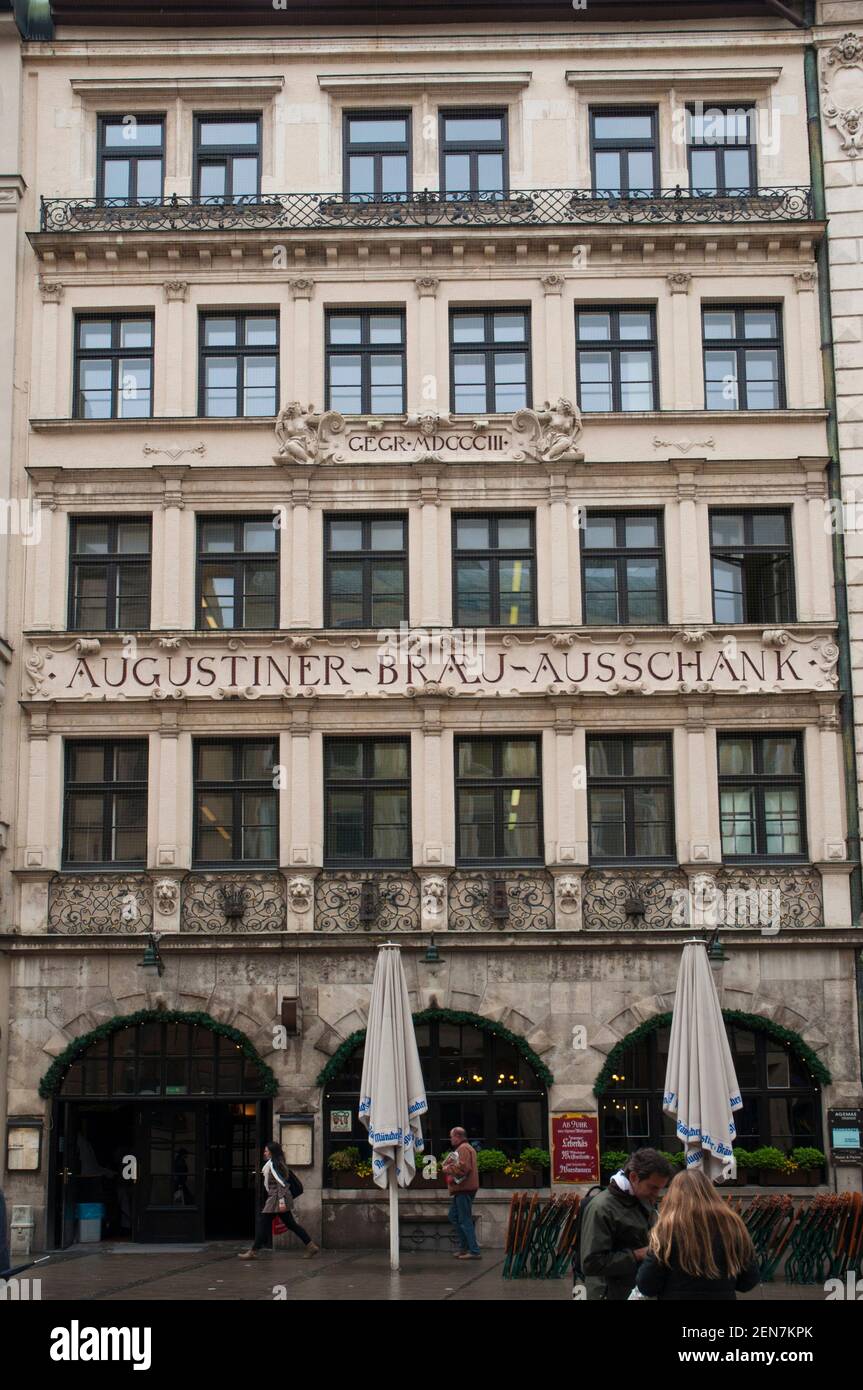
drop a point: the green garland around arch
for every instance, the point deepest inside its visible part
(342, 1056)
(53, 1078)
(786, 1036)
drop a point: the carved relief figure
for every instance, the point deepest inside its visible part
(433, 896)
(568, 893)
(300, 894)
(302, 433)
(167, 895)
(556, 430)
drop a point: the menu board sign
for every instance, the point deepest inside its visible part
(575, 1147)
(845, 1127)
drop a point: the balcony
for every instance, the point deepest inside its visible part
(538, 207)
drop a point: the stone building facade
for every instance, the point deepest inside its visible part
(586, 703)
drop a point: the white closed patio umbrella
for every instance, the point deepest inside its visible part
(701, 1089)
(392, 1090)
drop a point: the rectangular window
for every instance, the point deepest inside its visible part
(366, 571)
(623, 152)
(113, 366)
(622, 567)
(367, 801)
(228, 158)
(617, 357)
(239, 372)
(753, 567)
(498, 800)
(130, 160)
(743, 367)
(105, 803)
(236, 803)
(630, 796)
(377, 156)
(365, 363)
(473, 155)
(721, 148)
(109, 581)
(761, 806)
(490, 360)
(494, 564)
(238, 566)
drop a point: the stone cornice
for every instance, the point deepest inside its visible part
(410, 83)
(95, 90)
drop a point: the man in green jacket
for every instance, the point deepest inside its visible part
(616, 1226)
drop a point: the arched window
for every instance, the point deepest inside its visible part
(162, 1059)
(473, 1078)
(781, 1099)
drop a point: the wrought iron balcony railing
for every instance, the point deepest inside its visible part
(540, 207)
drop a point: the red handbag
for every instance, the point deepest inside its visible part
(279, 1226)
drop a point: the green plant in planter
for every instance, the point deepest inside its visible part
(344, 1160)
(612, 1160)
(744, 1159)
(364, 1170)
(536, 1158)
(807, 1159)
(770, 1158)
(491, 1161)
(515, 1168)
(676, 1159)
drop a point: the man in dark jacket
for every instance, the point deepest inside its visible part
(616, 1226)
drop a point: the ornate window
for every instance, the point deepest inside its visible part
(367, 801)
(236, 804)
(618, 366)
(239, 364)
(474, 1080)
(721, 149)
(109, 580)
(228, 158)
(498, 801)
(781, 1102)
(494, 567)
(623, 151)
(162, 1059)
(238, 563)
(743, 367)
(761, 796)
(753, 567)
(377, 156)
(623, 575)
(113, 367)
(365, 571)
(105, 803)
(131, 160)
(473, 155)
(489, 360)
(630, 797)
(365, 364)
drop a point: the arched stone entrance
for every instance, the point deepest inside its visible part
(158, 1121)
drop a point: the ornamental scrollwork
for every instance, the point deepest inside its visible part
(100, 904)
(841, 87)
(529, 901)
(350, 901)
(553, 433)
(215, 902)
(638, 901)
(304, 435)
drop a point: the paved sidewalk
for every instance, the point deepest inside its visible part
(213, 1272)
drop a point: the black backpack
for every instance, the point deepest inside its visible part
(577, 1271)
(295, 1187)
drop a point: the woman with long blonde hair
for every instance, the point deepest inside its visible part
(699, 1248)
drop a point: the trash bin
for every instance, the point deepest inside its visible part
(89, 1216)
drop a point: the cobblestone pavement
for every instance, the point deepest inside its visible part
(214, 1272)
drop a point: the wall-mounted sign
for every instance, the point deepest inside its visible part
(462, 663)
(297, 1138)
(845, 1127)
(575, 1147)
(341, 1121)
(23, 1144)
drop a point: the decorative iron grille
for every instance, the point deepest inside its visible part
(798, 900)
(644, 900)
(100, 904)
(549, 207)
(529, 901)
(233, 902)
(349, 901)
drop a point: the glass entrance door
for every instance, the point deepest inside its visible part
(170, 1203)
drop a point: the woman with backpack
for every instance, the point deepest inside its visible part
(699, 1248)
(281, 1186)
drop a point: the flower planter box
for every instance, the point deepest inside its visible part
(772, 1177)
(500, 1179)
(809, 1177)
(339, 1178)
